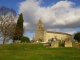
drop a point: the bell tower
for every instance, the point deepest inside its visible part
(40, 31)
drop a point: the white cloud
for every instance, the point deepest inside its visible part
(61, 15)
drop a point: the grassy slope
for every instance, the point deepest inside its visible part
(37, 52)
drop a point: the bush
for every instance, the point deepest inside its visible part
(25, 39)
(40, 40)
(61, 44)
(77, 36)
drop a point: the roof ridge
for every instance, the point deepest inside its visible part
(58, 32)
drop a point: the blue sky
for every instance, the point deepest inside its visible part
(11, 4)
(22, 6)
(15, 3)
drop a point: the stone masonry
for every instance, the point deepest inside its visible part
(54, 44)
(40, 31)
(45, 36)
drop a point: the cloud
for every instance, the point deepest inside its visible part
(61, 15)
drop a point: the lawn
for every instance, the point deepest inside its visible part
(37, 52)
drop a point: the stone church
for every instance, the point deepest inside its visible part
(45, 36)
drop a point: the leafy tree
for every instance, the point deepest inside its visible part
(7, 17)
(77, 36)
(19, 28)
(25, 39)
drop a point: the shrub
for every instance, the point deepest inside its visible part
(24, 39)
(40, 40)
(61, 44)
(77, 36)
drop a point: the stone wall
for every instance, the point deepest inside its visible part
(61, 37)
(68, 44)
(54, 44)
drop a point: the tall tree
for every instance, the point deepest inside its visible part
(19, 28)
(77, 36)
(7, 17)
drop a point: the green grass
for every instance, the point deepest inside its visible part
(37, 52)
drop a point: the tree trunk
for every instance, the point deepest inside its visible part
(4, 40)
(13, 41)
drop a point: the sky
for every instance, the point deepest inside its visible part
(56, 15)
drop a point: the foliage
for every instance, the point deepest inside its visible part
(19, 28)
(20, 21)
(77, 36)
(61, 44)
(25, 39)
(40, 40)
(7, 25)
(20, 51)
(16, 38)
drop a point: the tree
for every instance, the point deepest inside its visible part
(7, 17)
(25, 39)
(11, 32)
(77, 36)
(19, 28)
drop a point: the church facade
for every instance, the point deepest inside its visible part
(45, 36)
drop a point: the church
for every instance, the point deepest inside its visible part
(45, 36)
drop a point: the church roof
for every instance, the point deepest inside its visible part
(58, 33)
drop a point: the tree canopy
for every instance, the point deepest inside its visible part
(77, 36)
(24, 39)
(7, 17)
(19, 28)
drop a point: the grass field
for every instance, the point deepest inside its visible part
(37, 52)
